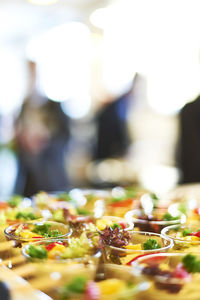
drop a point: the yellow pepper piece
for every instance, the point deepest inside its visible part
(111, 286)
(195, 238)
(134, 247)
(164, 267)
(102, 223)
(56, 251)
(26, 234)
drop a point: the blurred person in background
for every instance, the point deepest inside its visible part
(113, 138)
(41, 138)
(188, 150)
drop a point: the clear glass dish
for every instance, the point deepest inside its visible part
(116, 284)
(23, 232)
(182, 243)
(54, 250)
(126, 256)
(169, 279)
(138, 217)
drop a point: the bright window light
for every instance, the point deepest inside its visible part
(42, 2)
(63, 56)
(99, 17)
(147, 37)
(13, 85)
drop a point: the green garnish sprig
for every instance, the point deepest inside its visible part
(186, 231)
(76, 286)
(151, 244)
(115, 225)
(37, 252)
(15, 200)
(169, 217)
(191, 263)
(25, 216)
(44, 230)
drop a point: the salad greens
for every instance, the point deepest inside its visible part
(186, 231)
(78, 247)
(15, 200)
(129, 193)
(115, 225)
(191, 263)
(151, 244)
(82, 211)
(26, 216)
(44, 230)
(169, 217)
(75, 286)
(37, 252)
(64, 196)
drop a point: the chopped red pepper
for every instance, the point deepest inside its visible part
(3, 205)
(147, 260)
(52, 245)
(197, 210)
(195, 234)
(123, 226)
(123, 203)
(37, 237)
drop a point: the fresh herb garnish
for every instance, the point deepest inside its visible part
(115, 225)
(129, 193)
(191, 263)
(44, 230)
(155, 199)
(37, 252)
(83, 212)
(15, 200)
(169, 217)
(25, 216)
(151, 244)
(182, 208)
(154, 196)
(76, 286)
(64, 196)
(186, 231)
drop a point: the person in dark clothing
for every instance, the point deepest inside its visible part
(188, 152)
(113, 137)
(42, 135)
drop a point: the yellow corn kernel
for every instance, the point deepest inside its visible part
(164, 267)
(102, 223)
(56, 251)
(195, 238)
(111, 286)
(134, 247)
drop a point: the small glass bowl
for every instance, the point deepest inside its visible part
(117, 285)
(90, 200)
(181, 244)
(125, 256)
(152, 226)
(64, 229)
(88, 258)
(163, 287)
(128, 202)
(50, 277)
